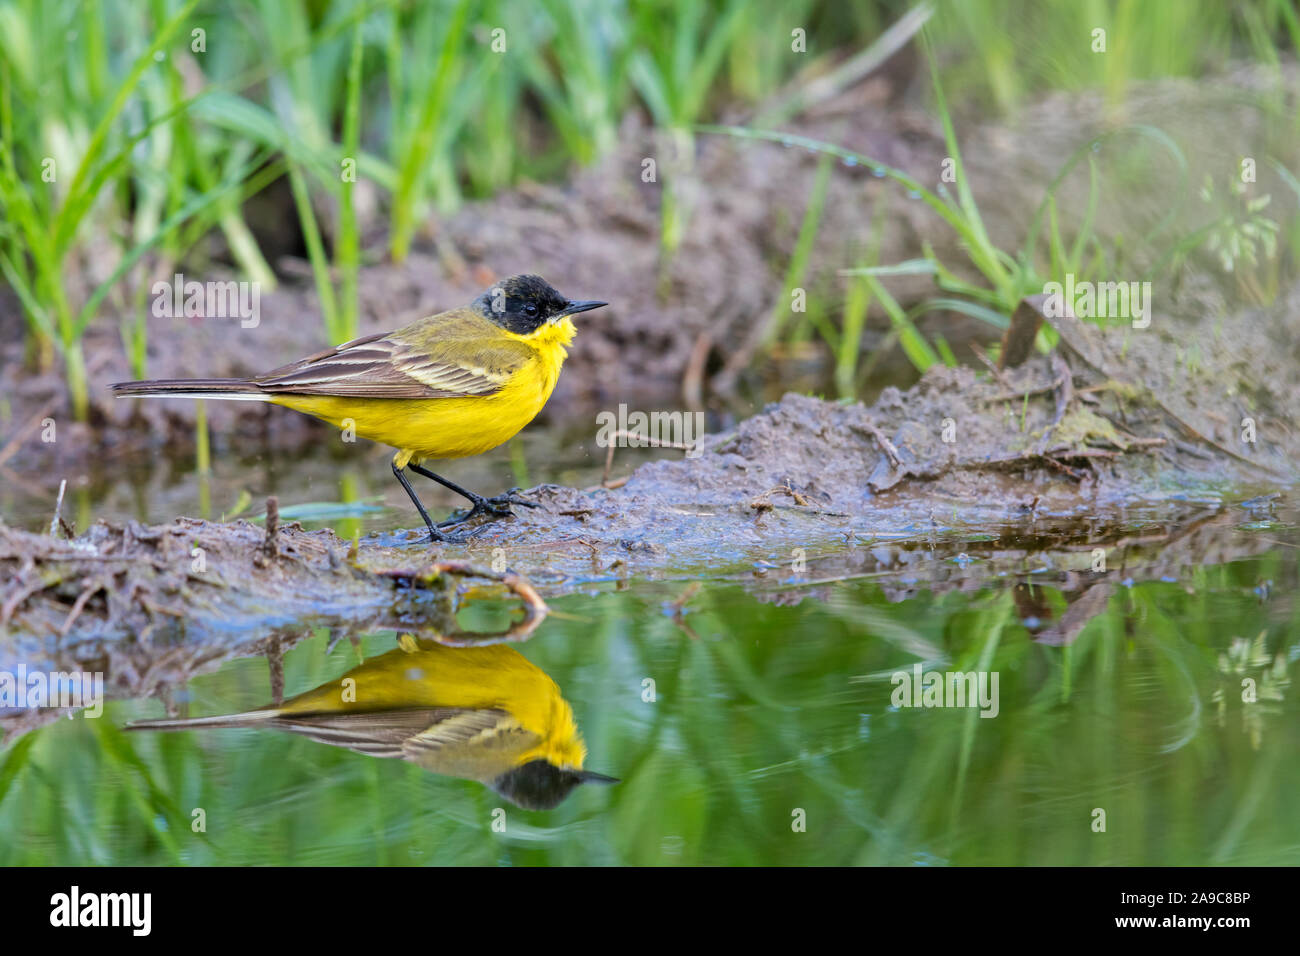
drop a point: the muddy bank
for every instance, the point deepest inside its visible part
(206, 579)
(1066, 445)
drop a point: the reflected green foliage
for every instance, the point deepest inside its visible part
(764, 712)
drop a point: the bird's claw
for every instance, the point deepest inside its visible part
(500, 505)
(497, 507)
(458, 537)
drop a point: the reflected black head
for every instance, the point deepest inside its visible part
(523, 304)
(538, 785)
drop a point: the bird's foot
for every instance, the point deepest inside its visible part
(496, 507)
(446, 532)
(461, 536)
(500, 505)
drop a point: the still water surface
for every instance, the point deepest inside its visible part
(755, 719)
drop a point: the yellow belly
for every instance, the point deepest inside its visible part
(423, 428)
(429, 675)
(432, 675)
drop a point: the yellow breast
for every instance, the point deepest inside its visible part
(478, 678)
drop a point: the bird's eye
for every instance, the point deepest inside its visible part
(530, 309)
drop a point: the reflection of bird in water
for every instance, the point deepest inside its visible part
(480, 713)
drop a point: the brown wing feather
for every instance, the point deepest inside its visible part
(384, 733)
(476, 744)
(464, 727)
(449, 355)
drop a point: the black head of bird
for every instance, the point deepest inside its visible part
(540, 785)
(523, 303)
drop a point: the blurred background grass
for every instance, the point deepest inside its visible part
(147, 128)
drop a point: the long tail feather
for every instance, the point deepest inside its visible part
(377, 735)
(246, 719)
(230, 389)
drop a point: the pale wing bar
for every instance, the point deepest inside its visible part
(377, 367)
(462, 728)
(374, 733)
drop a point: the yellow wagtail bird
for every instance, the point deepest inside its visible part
(479, 713)
(451, 385)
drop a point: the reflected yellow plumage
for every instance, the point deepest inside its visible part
(424, 674)
(479, 713)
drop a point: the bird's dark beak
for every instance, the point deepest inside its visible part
(590, 776)
(574, 307)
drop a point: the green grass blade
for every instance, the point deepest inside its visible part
(912, 342)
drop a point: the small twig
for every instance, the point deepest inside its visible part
(693, 377)
(270, 546)
(885, 444)
(154, 608)
(58, 509)
(77, 556)
(680, 622)
(1062, 466)
(609, 463)
(763, 502)
(535, 609)
(91, 589)
(646, 441)
(649, 442)
(990, 365)
(1066, 451)
(1064, 397)
(21, 594)
(691, 590)
(1019, 396)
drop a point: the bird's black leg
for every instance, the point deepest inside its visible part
(434, 533)
(498, 507)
